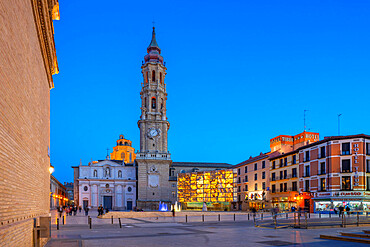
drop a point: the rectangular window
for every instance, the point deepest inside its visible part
(281, 162)
(273, 188)
(281, 175)
(285, 161)
(238, 188)
(322, 168)
(246, 179)
(255, 177)
(367, 148)
(173, 194)
(285, 174)
(322, 184)
(307, 186)
(346, 165)
(367, 165)
(273, 178)
(294, 172)
(238, 171)
(263, 164)
(346, 148)
(285, 187)
(246, 187)
(255, 167)
(239, 198)
(346, 183)
(263, 185)
(239, 180)
(307, 156)
(368, 183)
(263, 175)
(294, 159)
(307, 171)
(255, 186)
(294, 186)
(246, 169)
(281, 187)
(322, 152)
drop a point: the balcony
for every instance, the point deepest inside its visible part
(346, 171)
(153, 156)
(306, 175)
(272, 179)
(346, 152)
(321, 173)
(245, 180)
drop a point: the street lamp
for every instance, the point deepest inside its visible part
(51, 169)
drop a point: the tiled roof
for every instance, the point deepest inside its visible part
(257, 158)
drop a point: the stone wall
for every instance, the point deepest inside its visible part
(24, 122)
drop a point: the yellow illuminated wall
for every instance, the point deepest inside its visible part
(123, 151)
(209, 186)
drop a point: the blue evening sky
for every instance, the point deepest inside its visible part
(239, 74)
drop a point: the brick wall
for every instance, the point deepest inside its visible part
(24, 125)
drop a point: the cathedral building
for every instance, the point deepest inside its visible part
(110, 182)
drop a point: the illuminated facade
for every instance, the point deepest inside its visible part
(215, 188)
(57, 193)
(123, 151)
(336, 171)
(286, 143)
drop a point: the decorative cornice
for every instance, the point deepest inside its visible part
(45, 11)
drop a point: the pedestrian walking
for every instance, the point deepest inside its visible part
(348, 209)
(341, 209)
(86, 211)
(79, 209)
(173, 211)
(60, 210)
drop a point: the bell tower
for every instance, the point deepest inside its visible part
(153, 160)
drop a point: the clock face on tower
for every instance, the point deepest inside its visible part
(153, 132)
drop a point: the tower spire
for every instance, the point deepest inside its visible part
(153, 51)
(153, 43)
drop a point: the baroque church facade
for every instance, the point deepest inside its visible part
(110, 182)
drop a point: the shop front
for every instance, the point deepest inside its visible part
(285, 202)
(257, 200)
(329, 202)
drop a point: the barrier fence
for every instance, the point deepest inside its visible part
(308, 220)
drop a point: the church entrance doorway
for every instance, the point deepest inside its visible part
(108, 202)
(129, 205)
(85, 203)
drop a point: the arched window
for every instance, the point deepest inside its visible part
(145, 105)
(153, 76)
(120, 174)
(161, 103)
(130, 157)
(154, 103)
(123, 155)
(95, 173)
(160, 77)
(147, 77)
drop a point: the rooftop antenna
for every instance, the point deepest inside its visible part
(304, 120)
(339, 123)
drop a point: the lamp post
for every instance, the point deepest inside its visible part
(51, 169)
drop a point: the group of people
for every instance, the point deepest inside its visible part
(101, 210)
(342, 209)
(70, 210)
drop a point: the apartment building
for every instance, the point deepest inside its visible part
(336, 171)
(252, 181)
(284, 180)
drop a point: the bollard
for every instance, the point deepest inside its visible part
(219, 217)
(63, 220)
(299, 220)
(90, 222)
(329, 214)
(262, 216)
(234, 217)
(112, 219)
(203, 217)
(186, 218)
(275, 220)
(88, 219)
(119, 220)
(286, 215)
(295, 219)
(57, 223)
(366, 214)
(248, 216)
(319, 214)
(305, 219)
(358, 219)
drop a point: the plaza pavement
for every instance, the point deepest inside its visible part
(169, 231)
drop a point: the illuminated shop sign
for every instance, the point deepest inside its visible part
(355, 165)
(343, 194)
